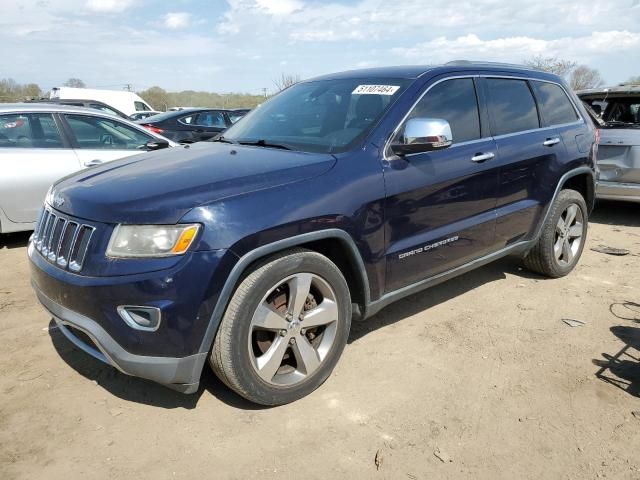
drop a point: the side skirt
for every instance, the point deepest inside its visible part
(390, 297)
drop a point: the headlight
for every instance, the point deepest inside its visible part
(151, 240)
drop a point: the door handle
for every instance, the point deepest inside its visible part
(482, 157)
(550, 142)
(93, 163)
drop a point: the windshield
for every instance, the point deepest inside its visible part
(325, 116)
(617, 110)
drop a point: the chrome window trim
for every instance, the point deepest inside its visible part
(580, 121)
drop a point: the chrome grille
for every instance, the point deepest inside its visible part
(61, 240)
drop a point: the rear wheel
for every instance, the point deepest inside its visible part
(284, 329)
(563, 237)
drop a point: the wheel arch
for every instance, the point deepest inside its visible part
(583, 183)
(335, 244)
(581, 177)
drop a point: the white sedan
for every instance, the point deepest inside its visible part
(40, 143)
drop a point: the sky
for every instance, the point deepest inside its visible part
(244, 45)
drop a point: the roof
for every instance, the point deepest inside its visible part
(412, 72)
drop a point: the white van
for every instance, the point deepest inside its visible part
(126, 102)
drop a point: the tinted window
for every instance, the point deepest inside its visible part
(555, 107)
(38, 130)
(454, 101)
(106, 134)
(210, 119)
(512, 106)
(188, 120)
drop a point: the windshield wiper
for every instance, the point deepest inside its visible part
(224, 140)
(265, 143)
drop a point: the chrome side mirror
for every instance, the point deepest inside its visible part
(423, 135)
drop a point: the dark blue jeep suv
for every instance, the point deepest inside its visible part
(326, 203)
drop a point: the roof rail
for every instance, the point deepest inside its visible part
(492, 64)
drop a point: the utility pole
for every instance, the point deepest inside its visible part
(264, 91)
(127, 87)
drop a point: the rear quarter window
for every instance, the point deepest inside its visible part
(511, 106)
(555, 106)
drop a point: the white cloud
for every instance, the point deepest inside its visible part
(256, 40)
(108, 6)
(176, 20)
(279, 7)
(514, 49)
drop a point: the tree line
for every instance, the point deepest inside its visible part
(578, 76)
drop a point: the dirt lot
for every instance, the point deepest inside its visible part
(480, 371)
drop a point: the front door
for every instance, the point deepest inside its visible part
(98, 139)
(440, 206)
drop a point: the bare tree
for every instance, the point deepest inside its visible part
(554, 65)
(75, 83)
(285, 81)
(585, 77)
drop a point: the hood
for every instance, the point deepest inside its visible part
(160, 187)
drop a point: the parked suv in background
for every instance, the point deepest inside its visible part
(618, 118)
(331, 200)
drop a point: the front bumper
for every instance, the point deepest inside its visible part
(85, 309)
(182, 374)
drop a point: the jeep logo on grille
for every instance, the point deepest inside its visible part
(58, 201)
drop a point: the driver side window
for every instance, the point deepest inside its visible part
(456, 102)
(97, 133)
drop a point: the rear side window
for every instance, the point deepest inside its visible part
(97, 133)
(140, 107)
(36, 130)
(512, 106)
(555, 106)
(210, 119)
(454, 101)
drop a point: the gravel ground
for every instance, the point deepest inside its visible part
(477, 378)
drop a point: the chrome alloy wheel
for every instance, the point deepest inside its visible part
(293, 329)
(569, 232)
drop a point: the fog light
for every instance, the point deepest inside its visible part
(140, 318)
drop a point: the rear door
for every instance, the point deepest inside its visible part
(440, 205)
(33, 155)
(528, 157)
(97, 139)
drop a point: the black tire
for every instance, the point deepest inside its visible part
(541, 258)
(231, 358)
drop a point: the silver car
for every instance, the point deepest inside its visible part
(617, 112)
(40, 143)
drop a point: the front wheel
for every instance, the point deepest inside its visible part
(563, 237)
(284, 329)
